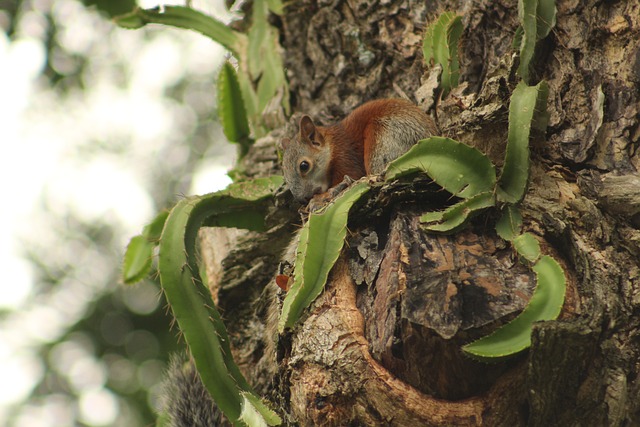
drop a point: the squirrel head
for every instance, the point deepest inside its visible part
(305, 161)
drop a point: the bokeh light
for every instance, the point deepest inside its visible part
(100, 128)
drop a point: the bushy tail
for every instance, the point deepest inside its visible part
(185, 401)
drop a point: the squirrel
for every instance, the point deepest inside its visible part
(363, 143)
(318, 159)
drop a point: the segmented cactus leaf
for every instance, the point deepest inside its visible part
(319, 246)
(138, 256)
(184, 17)
(455, 217)
(527, 246)
(545, 304)
(527, 103)
(190, 299)
(441, 44)
(231, 109)
(510, 223)
(458, 168)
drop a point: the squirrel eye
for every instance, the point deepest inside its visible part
(304, 166)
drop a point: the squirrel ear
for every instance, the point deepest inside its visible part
(283, 144)
(307, 129)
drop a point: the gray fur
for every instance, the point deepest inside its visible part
(185, 401)
(399, 134)
(316, 179)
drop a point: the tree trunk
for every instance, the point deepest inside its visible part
(381, 345)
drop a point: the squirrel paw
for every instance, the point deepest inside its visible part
(319, 201)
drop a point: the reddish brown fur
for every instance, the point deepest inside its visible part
(363, 143)
(346, 153)
(354, 139)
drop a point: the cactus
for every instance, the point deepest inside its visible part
(510, 223)
(441, 44)
(261, 76)
(139, 253)
(545, 304)
(526, 110)
(455, 217)
(240, 205)
(537, 18)
(231, 109)
(461, 170)
(319, 245)
(184, 17)
(527, 246)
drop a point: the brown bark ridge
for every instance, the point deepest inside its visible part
(381, 345)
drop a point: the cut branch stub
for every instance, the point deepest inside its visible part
(432, 294)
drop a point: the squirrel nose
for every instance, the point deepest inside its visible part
(315, 191)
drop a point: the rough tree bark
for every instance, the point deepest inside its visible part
(381, 344)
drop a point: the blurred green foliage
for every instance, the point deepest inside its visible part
(112, 7)
(111, 338)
